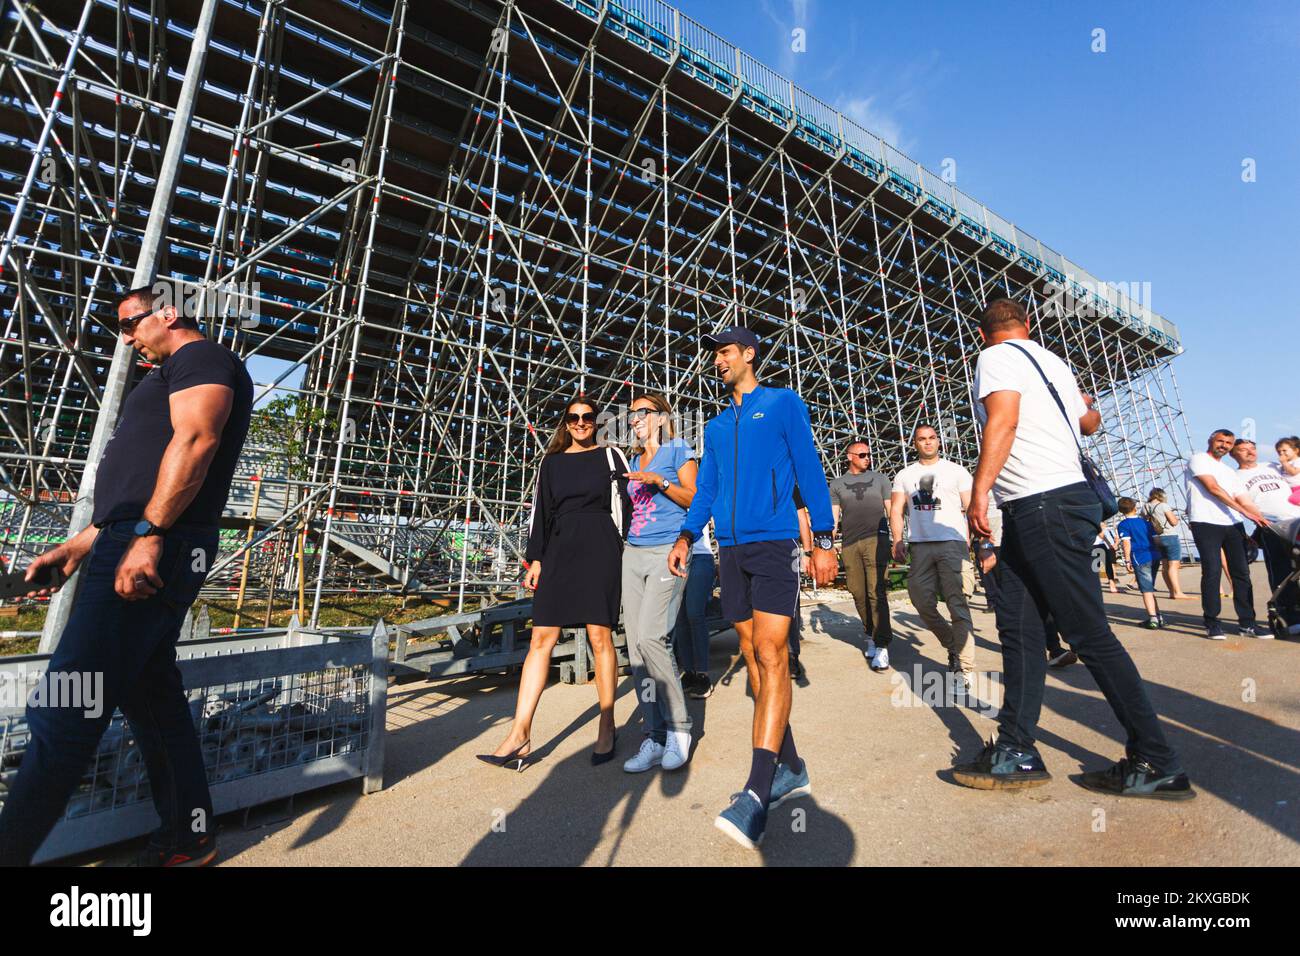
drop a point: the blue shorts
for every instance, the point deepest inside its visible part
(1171, 547)
(1145, 574)
(759, 576)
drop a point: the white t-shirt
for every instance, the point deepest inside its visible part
(1268, 488)
(1044, 454)
(1201, 505)
(934, 511)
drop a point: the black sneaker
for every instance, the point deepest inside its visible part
(701, 687)
(200, 854)
(1255, 630)
(1215, 632)
(1000, 767)
(1137, 778)
(797, 673)
(1063, 659)
(1153, 624)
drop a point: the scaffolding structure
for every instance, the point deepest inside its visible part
(435, 222)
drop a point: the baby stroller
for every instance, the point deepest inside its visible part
(1289, 532)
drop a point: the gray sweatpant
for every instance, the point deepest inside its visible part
(651, 597)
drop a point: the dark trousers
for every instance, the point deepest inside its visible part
(1231, 540)
(131, 646)
(1046, 569)
(691, 633)
(1277, 559)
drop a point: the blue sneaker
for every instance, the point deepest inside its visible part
(787, 785)
(743, 821)
(1000, 767)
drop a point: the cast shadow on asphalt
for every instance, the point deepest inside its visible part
(565, 819)
(906, 662)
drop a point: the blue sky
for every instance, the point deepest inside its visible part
(1128, 162)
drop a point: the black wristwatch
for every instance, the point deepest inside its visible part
(145, 528)
(823, 541)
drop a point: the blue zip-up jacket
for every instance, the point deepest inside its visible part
(754, 455)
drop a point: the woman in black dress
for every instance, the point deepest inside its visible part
(574, 554)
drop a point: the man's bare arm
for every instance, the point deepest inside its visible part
(198, 415)
(1242, 504)
(1003, 409)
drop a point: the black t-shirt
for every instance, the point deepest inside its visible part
(128, 471)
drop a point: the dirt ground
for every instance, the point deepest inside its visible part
(878, 755)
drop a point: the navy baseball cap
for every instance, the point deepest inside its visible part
(737, 334)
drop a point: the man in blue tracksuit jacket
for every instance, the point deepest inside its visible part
(755, 453)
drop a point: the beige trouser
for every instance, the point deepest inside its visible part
(941, 568)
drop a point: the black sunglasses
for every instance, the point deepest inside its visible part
(859, 454)
(128, 325)
(637, 414)
(588, 418)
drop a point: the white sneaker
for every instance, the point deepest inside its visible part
(650, 755)
(881, 661)
(871, 650)
(678, 750)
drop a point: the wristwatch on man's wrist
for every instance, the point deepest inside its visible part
(145, 528)
(823, 541)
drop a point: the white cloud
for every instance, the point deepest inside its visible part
(865, 111)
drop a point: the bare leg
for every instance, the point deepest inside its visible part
(1227, 578)
(532, 681)
(1174, 582)
(606, 659)
(746, 631)
(770, 660)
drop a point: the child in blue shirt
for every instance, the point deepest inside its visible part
(1140, 551)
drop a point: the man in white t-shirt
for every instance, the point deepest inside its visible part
(1214, 515)
(935, 493)
(1268, 490)
(1029, 458)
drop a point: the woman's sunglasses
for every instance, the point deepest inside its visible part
(587, 418)
(636, 414)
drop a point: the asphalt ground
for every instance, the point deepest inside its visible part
(878, 747)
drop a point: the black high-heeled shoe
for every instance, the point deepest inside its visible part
(511, 761)
(598, 758)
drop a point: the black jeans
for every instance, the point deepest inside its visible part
(1046, 569)
(1231, 540)
(130, 648)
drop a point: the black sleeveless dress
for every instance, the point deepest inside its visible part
(572, 533)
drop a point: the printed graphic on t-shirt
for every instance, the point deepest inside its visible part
(643, 506)
(924, 499)
(859, 488)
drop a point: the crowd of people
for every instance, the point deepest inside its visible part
(617, 536)
(607, 537)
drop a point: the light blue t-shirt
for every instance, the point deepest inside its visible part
(656, 518)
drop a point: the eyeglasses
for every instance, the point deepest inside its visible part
(859, 454)
(636, 414)
(127, 325)
(587, 418)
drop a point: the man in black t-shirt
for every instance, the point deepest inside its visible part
(159, 491)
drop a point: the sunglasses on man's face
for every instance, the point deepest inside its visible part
(127, 325)
(858, 454)
(587, 418)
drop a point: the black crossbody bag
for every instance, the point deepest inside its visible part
(1091, 473)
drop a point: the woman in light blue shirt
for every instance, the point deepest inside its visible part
(661, 484)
